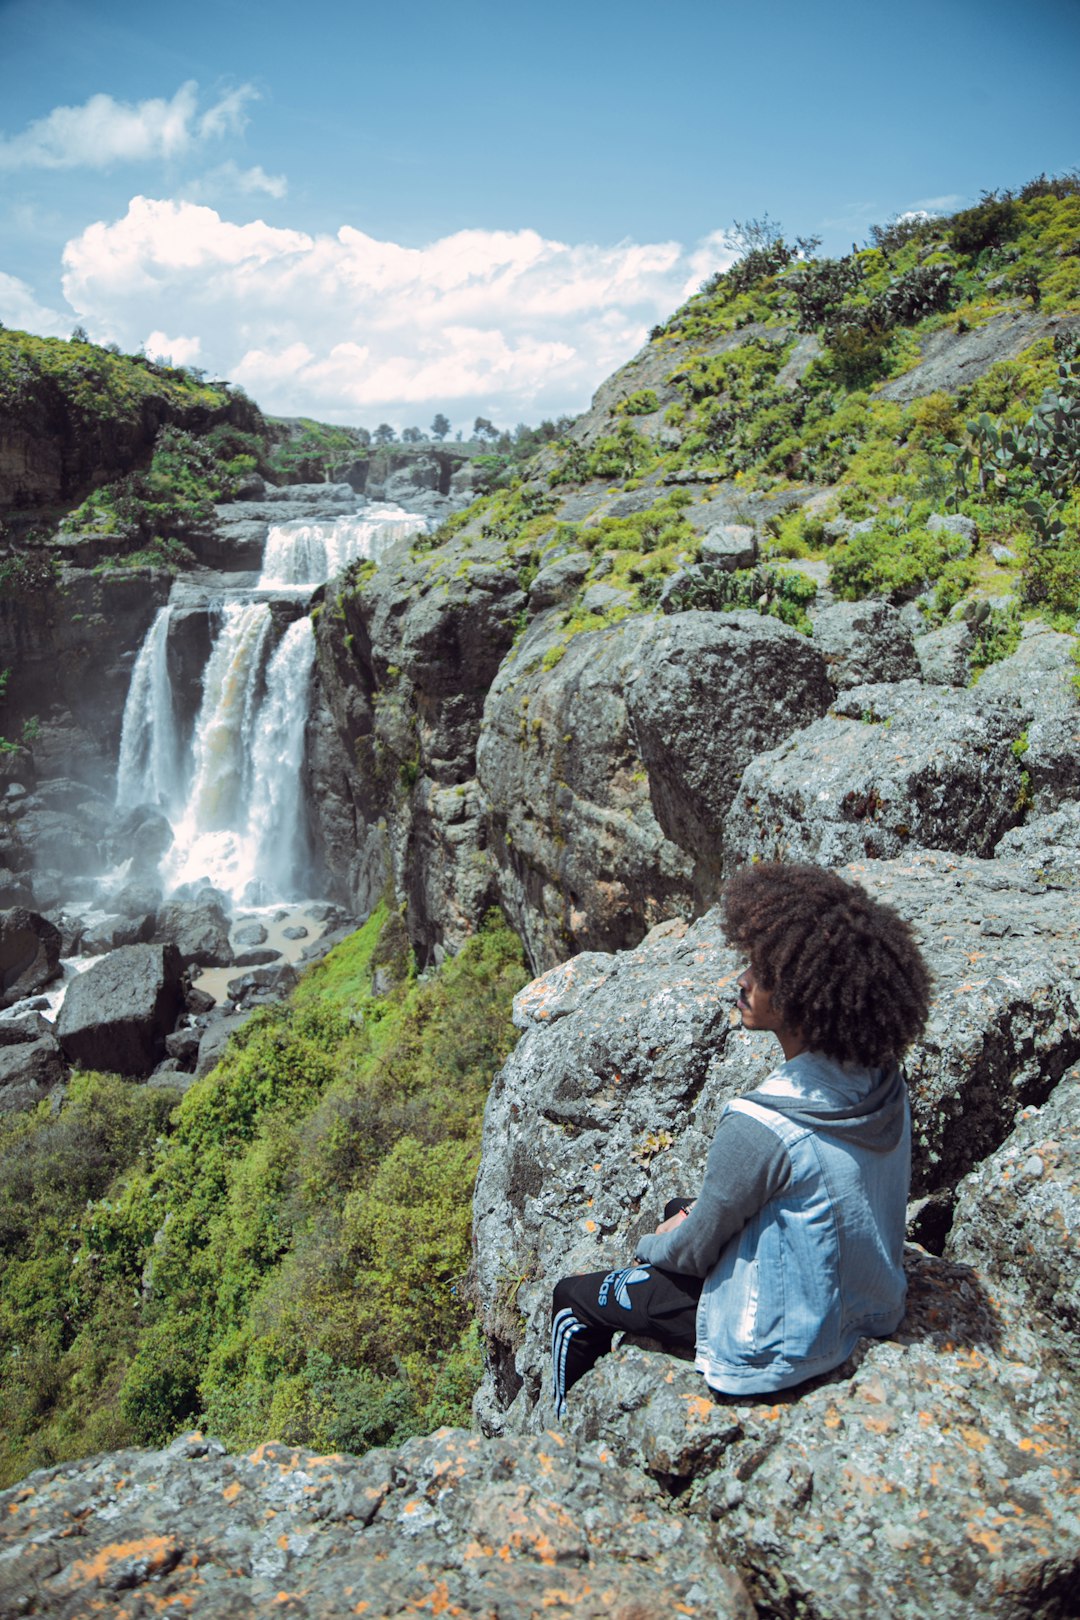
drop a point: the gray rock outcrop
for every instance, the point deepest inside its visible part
(31, 1063)
(117, 1014)
(453, 1524)
(892, 767)
(864, 642)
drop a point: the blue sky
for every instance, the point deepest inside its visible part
(372, 213)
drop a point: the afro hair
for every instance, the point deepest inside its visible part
(842, 968)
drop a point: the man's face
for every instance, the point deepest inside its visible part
(756, 1005)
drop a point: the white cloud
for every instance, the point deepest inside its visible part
(937, 205)
(173, 351)
(102, 132)
(509, 324)
(20, 309)
(232, 179)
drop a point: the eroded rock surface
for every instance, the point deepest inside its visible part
(453, 1525)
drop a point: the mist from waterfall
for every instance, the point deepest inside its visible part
(233, 790)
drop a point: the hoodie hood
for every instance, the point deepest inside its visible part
(866, 1107)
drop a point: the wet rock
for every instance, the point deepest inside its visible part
(198, 928)
(215, 1037)
(144, 835)
(1017, 1216)
(296, 931)
(820, 1496)
(863, 642)
(29, 954)
(117, 1014)
(106, 933)
(891, 767)
(451, 1523)
(137, 900)
(31, 1063)
(609, 1102)
(262, 985)
(183, 1047)
(250, 934)
(256, 958)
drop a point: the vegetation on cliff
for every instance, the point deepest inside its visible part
(285, 1253)
(783, 387)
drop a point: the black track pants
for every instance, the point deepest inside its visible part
(587, 1310)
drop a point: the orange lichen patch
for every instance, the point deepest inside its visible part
(989, 1539)
(283, 1542)
(590, 1226)
(156, 1553)
(553, 1434)
(768, 1414)
(477, 1549)
(698, 1408)
(879, 1425)
(926, 1420)
(868, 1484)
(1039, 1448)
(232, 1491)
(362, 1607)
(411, 1507)
(973, 1437)
(833, 1420)
(437, 1600)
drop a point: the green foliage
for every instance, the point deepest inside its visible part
(785, 594)
(641, 403)
(310, 452)
(283, 1257)
(899, 560)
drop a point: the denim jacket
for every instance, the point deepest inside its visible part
(820, 1263)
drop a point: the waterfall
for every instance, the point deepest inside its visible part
(148, 770)
(234, 795)
(277, 758)
(301, 553)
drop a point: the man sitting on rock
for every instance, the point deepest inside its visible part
(793, 1249)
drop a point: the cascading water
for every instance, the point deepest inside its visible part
(234, 795)
(149, 745)
(310, 553)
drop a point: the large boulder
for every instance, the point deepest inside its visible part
(453, 1524)
(892, 767)
(198, 928)
(117, 1014)
(609, 1102)
(582, 860)
(29, 954)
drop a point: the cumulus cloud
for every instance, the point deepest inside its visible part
(19, 309)
(350, 328)
(102, 132)
(173, 351)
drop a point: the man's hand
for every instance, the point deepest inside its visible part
(673, 1220)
